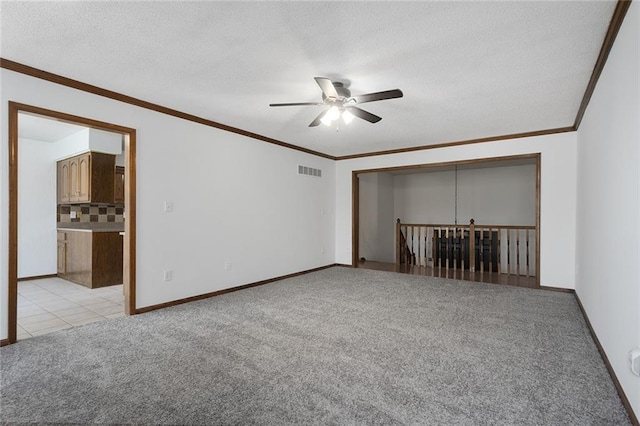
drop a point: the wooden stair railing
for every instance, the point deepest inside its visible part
(403, 252)
(503, 249)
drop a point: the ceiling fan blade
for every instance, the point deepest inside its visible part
(360, 113)
(327, 87)
(297, 104)
(318, 119)
(378, 96)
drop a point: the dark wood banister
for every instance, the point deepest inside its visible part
(404, 254)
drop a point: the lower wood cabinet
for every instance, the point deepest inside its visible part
(62, 253)
(118, 188)
(93, 259)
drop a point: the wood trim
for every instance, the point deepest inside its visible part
(130, 224)
(450, 163)
(129, 270)
(4, 342)
(538, 221)
(612, 373)
(70, 118)
(475, 225)
(12, 302)
(37, 277)
(355, 218)
(355, 206)
(58, 79)
(75, 84)
(614, 26)
(558, 289)
(458, 143)
(229, 290)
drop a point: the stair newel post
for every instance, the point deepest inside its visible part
(398, 248)
(472, 246)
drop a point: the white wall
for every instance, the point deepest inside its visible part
(387, 231)
(105, 142)
(75, 143)
(37, 250)
(235, 199)
(608, 279)
(425, 197)
(558, 183)
(89, 140)
(376, 221)
(120, 160)
(489, 195)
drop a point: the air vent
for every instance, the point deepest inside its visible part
(304, 170)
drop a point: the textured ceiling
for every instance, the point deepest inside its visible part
(467, 69)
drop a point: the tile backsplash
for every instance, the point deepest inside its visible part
(90, 213)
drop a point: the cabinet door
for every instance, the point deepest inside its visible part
(64, 184)
(84, 178)
(62, 253)
(118, 189)
(73, 180)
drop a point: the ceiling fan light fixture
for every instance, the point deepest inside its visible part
(347, 117)
(340, 103)
(332, 115)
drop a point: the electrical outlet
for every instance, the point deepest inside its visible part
(73, 215)
(227, 265)
(168, 275)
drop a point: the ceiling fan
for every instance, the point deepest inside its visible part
(341, 104)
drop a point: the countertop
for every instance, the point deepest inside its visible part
(92, 227)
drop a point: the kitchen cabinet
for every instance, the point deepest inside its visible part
(62, 253)
(86, 178)
(64, 182)
(92, 259)
(118, 189)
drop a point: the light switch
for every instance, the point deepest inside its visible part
(168, 206)
(634, 361)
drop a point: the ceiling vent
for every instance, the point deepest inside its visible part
(310, 171)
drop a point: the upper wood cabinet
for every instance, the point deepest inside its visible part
(64, 182)
(86, 178)
(118, 188)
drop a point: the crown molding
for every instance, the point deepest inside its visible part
(614, 26)
(75, 84)
(458, 143)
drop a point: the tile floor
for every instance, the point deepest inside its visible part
(52, 304)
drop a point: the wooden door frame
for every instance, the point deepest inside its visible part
(129, 272)
(355, 194)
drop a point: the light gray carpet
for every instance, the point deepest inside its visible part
(339, 346)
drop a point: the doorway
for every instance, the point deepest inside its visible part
(128, 135)
(419, 219)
